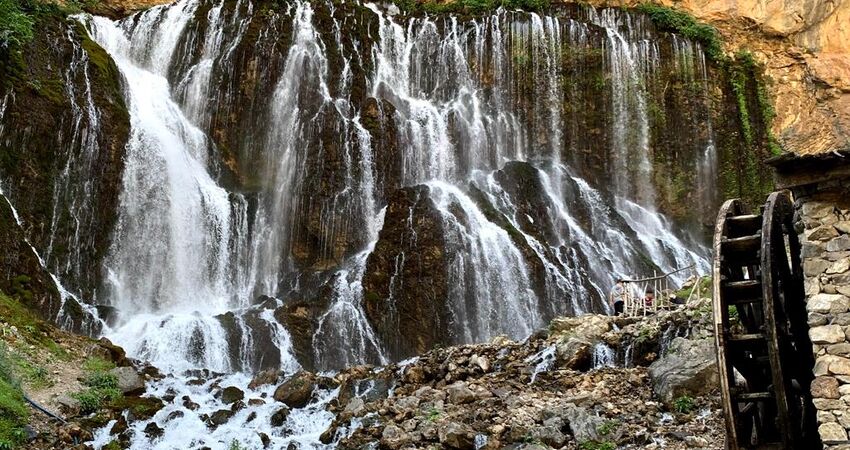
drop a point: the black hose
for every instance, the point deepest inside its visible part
(42, 409)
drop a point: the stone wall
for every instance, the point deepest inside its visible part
(823, 221)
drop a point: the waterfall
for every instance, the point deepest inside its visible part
(214, 241)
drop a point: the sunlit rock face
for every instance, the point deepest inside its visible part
(317, 185)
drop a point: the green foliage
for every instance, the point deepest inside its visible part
(684, 404)
(608, 427)
(597, 445)
(473, 7)
(101, 386)
(433, 414)
(13, 408)
(15, 24)
(96, 364)
(679, 22)
(235, 445)
(734, 318)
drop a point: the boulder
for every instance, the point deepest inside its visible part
(587, 327)
(574, 353)
(393, 437)
(460, 393)
(582, 423)
(296, 391)
(231, 394)
(68, 405)
(153, 431)
(457, 436)
(221, 416)
(129, 381)
(268, 376)
(279, 417)
(689, 368)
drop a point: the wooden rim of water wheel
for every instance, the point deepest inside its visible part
(763, 350)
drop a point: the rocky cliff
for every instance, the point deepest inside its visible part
(805, 49)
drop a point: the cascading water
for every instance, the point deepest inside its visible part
(221, 228)
(455, 133)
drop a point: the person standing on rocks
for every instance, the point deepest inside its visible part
(649, 297)
(618, 296)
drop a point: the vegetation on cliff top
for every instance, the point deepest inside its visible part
(468, 6)
(669, 19)
(15, 24)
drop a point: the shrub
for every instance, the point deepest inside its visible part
(15, 24)
(684, 404)
(680, 22)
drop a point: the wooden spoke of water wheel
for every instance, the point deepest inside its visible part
(765, 358)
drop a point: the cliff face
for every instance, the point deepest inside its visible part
(805, 48)
(64, 125)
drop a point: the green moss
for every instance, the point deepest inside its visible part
(141, 407)
(95, 364)
(597, 445)
(468, 7)
(13, 408)
(669, 19)
(16, 26)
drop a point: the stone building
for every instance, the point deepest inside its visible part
(821, 187)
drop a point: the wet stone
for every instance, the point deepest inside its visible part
(153, 431)
(231, 394)
(221, 416)
(279, 417)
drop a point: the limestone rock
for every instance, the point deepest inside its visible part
(832, 431)
(221, 416)
(823, 233)
(825, 387)
(279, 417)
(296, 391)
(839, 366)
(583, 424)
(842, 226)
(460, 393)
(268, 376)
(838, 244)
(826, 334)
(828, 303)
(840, 266)
(574, 353)
(689, 368)
(129, 381)
(457, 436)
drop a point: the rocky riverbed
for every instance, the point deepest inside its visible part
(588, 382)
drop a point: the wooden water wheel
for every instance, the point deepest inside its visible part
(763, 349)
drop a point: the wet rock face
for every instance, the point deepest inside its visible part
(61, 167)
(405, 282)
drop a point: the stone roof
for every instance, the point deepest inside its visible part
(795, 170)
